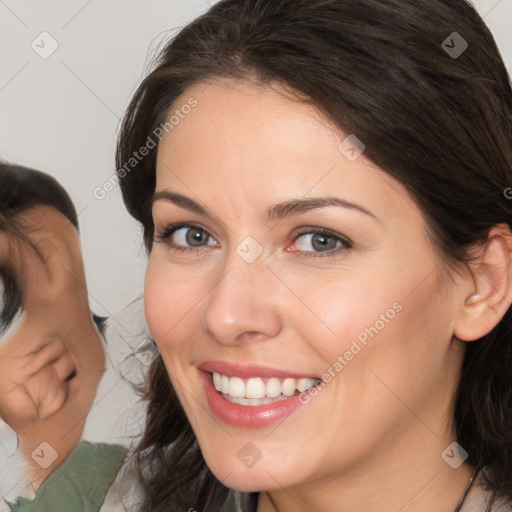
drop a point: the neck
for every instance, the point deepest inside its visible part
(412, 478)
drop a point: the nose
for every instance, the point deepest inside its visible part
(243, 305)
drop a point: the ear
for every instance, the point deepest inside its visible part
(489, 291)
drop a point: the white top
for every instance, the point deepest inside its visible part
(479, 497)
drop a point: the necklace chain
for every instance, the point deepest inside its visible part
(470, 484)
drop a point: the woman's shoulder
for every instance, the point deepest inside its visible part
(126, 493)
(481, 496)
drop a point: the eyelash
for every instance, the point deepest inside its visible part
(171, 228)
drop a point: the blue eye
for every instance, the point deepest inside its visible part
(177, 236)
(193, 238)
(323, 242)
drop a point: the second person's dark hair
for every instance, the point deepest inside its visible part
(22, 188)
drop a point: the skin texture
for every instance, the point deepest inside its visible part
(56, 339)
(385, 418)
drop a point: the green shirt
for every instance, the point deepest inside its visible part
(80, 483)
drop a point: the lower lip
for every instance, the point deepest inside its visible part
(245, 415)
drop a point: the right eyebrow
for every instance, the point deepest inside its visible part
(182, 201)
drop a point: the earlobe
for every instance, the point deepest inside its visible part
(490, 287)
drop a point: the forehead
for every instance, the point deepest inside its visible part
(258, 141)
(233, 118)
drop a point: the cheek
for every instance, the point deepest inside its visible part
(155, 302)
(172, 300)
(373, 321)
(164, 302)
(335, 313)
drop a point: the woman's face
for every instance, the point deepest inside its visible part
(263, 290)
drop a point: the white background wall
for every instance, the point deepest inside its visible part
(61, 114)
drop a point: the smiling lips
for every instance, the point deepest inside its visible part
(252, 396)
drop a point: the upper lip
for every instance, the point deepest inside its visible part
(246, 371)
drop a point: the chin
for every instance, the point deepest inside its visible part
(250, 480)
(246, 475)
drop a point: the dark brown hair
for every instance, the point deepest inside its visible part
(22, 188)
(440, 124)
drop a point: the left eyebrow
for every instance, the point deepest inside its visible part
(298, 206)
(275, 212)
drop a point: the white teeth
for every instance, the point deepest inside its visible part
(224, 385)
(304, 384)
(288, 387)
(236, 388)
(255, 388)
(254, 402)
(217, 381)
(255, 391)
(273, 388)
